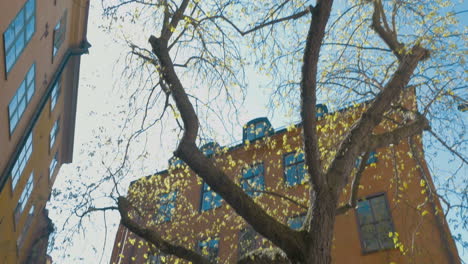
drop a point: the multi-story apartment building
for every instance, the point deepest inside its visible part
(39, 70)
(397, 219)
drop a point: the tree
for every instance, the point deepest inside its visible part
(369, 51)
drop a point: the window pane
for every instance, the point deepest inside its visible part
(19, 22)
(364, 212)
(10, 58)
(30, 75)
(289, 159)
(382, 229)
(19, 46)
(30, 92)
(290, 176)
(29, 8)
(30, 29)
(379, 207)
(296, 222)
(9, 37)
(21, 106)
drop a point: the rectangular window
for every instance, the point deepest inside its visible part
(53, 134)
(375, 223)
(26, 227)
(209, 248)
(53, 165)
(294, 169)
(54, 95)
(21, 161)
(210, 199)
(19, 33)
(253, 180)
(59, 33)
(24, 197)
(249, 240)
(21, 99)
(296, 222)
(166, 206)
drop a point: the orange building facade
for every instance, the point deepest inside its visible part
(397, 220)
(39, 70)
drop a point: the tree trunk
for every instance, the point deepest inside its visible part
(321, 228)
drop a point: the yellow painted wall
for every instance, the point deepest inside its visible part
(39, 51)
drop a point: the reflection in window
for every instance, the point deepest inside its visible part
(294, 169)
(53, 134)
(296, 222)
(59, 33)
(375, 223)
(55, 94)
(210, 199)
(53, 165)
(166, 206)
(22, 97)
(21, 161)
(19, 33)
(253, 180)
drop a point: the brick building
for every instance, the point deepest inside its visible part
(396, 220)
(40, 59)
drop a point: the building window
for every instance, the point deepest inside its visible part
(249, 240)
(19, 33)
(296, 222)
(372, 159)
(59, 33)
(21, 161)
(53, 134)
(257, 128)
(210, 199)
(210, 148)
(53, 165)
(253, 180)
(209, 248)
(21, 98)
(166, 207)
(54, 95)
(26, 227)
(375, 223)
(294, 169)
(24, 197)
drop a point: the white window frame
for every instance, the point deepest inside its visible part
(53, 165)
(22, 98)
(18, 34)
(53, 134)
(21, 161)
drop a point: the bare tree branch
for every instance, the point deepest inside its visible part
(153, 237)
